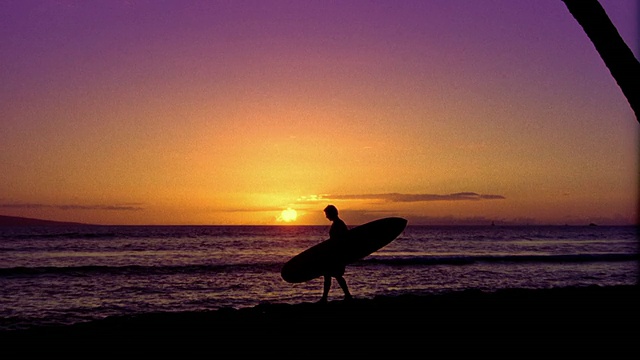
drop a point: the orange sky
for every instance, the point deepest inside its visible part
(128, 112)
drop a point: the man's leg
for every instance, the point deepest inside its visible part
(343, 285)
(327, 286)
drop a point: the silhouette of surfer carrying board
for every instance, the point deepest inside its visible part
(337, 231)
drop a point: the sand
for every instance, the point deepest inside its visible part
(600, 322)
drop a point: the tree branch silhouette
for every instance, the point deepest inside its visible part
(615, 53)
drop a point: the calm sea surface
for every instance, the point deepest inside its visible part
(64, 275)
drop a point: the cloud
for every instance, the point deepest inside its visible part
(117, 207)
(397, 197)
(312, 199)
(451, 220)
(22, 206)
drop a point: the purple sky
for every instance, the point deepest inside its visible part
(207, 112)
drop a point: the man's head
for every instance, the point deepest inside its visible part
(331, 212)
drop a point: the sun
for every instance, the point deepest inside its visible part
(288, 215)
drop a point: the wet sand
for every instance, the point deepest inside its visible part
(513, 323)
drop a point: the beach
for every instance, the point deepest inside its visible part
(514, 323)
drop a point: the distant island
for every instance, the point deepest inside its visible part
(23, 221)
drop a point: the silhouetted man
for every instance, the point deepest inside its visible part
(338, 230)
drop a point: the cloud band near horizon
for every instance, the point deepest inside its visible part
(397, 197)
(123, 207)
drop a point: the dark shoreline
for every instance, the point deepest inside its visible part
(581, 320)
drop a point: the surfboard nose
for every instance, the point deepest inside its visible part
(399, 222)
(394, 226)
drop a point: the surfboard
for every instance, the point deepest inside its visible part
(360, 241)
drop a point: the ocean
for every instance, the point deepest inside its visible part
(61, 275)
